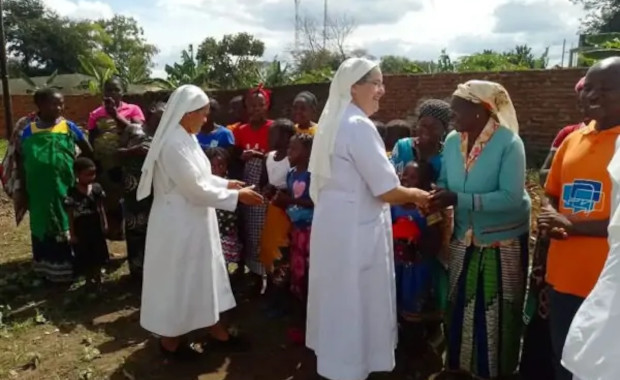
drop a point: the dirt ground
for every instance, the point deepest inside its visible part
(53, 333)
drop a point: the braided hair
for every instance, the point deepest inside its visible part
(437, 109)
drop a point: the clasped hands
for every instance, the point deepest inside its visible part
(435, 200)
(553, 224)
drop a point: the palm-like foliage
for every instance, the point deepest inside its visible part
(34, 87)
(100, 68)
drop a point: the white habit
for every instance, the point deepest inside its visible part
(186, 284)
(592, 350)
(351, 322)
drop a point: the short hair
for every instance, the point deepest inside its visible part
(116, 80)
(307, 97)
(217, 152)
(44, 94)
(83, 163)
(285, 126)
(214, 105)
(305, 139)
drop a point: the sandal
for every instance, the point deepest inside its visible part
(183, 353)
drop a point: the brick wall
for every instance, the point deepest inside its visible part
(544, 100)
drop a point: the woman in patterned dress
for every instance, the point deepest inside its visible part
(483, 178)
(135, 142)
(252, 143)
(105, 124)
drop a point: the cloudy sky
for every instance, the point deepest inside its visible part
(418, 29)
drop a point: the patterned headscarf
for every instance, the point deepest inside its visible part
(260, 89)
(437, 109)
(494, 97)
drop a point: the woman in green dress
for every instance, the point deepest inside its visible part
(46, 151)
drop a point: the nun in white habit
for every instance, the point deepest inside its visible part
(185, 284)
(351, 323)
(592, 351)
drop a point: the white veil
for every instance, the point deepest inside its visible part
(187, 98)
(349, 72)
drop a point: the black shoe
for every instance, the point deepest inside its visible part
(234, 344)
(183, 353)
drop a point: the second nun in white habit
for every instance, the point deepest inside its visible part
(351, 323)
(186, 284)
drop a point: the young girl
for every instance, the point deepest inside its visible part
(252, 143)
(227, 220)
(416, 243)
(304, 112)
(87, 222)
(277, 166)
(300, 210)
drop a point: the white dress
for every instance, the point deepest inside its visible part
(186, 284)
(591, 351)
(351, 324)
(277, 171)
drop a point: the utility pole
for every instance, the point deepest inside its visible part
(6, 94)
(563, 52)
(325, 25)
(297, 26)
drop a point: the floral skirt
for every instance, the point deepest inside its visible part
(300, 261)
(484, 321)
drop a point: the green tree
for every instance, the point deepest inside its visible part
(522, 56)
(42, 42)
(187, 71)
(487, 61)
(600, 46)
(124, 42)
(100, 68)
(444, 63)
(391, 64)
(231, 62)
(276, 74)
(603, 16)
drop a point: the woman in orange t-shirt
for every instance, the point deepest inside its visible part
(252, 144)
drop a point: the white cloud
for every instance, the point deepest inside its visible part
(82, 9)
(419, 29)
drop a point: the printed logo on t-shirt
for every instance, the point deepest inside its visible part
(583, 196)
(213, 144)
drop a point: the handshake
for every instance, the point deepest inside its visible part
(247, 195)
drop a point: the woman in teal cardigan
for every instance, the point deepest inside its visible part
(483, 178)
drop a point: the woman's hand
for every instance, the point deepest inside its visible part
(110, 107)
(419, 197)
(250, 153)
(249, 197)
(442, 198)
(235, 185)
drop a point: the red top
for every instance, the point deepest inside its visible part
(248, 138)
(563, 134)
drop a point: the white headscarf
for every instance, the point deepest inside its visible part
(494, 97)
(185, 99)
(349, 72)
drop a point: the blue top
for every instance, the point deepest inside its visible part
(403, 153)
(220, 136)
(75, 131)
(491, 197)
(298, 185)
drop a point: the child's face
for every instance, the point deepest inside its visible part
(297, 153)
(87, 176)
(302, 112)
(429, 131)
(277, 139)
(411, 176)
(219, 167)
